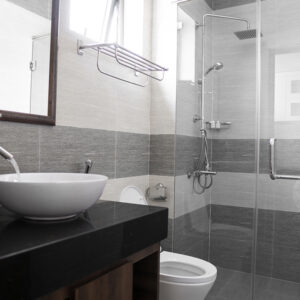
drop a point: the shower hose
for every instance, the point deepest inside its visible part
(202, 181)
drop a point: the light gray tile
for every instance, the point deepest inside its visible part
(65, 149)
(162, 154)
(132, 154)
(22, 140)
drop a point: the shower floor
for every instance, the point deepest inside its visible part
(234, 285)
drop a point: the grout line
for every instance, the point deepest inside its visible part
(39, 149)
(116, 146)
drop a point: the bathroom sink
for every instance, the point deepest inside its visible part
(50, 196)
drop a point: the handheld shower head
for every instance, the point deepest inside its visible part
(216, 67)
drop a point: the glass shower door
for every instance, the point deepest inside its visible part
(277, 272)
(217, 225)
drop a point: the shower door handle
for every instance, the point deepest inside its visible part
(273, 174)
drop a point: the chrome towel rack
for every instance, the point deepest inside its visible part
(127, 59)
(273, 173)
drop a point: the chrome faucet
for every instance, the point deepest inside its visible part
(8, 156)
(5, 154)
(88, 166)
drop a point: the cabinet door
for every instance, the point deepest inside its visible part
(115, 285)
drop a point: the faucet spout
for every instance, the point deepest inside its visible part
(5, 154)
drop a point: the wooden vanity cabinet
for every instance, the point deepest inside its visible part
(116, 284)
(135, 278)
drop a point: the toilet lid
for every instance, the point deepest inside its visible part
(133, 195)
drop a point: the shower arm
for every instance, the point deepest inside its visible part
(203, 56)
(225, 17)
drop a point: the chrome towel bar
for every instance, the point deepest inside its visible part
(273, 174)
(125, 58)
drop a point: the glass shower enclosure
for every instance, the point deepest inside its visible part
(237, 188)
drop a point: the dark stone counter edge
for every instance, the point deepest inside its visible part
(42, 270)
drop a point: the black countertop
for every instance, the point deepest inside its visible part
(38, 258)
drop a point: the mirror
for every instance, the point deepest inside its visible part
(28, 39)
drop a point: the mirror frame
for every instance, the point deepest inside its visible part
(50, 118)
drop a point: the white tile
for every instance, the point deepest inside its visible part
(164, 52)
(88, 99)
(114, 187)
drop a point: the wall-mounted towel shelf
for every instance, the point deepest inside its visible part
(125, 58)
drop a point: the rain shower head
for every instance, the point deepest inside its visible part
(247, 34)
(216, 67)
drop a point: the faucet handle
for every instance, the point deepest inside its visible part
(88, 166)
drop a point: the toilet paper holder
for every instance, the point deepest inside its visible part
(156, 193)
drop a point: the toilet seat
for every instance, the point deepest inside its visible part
(132, 194)
(178, 268)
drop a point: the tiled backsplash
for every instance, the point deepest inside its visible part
(65, 149)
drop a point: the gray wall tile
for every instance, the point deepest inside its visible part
(287, 229)
(233, 155)
(264, 258)
(167, 244)
(277, 248)
(231, 237)
(132, 154)
(187, 150)
(162, 160)
(287, 156)
(65, 149)
(191, 233)
(231, 215)
(231, 253)
(286, 263)
(22, 141)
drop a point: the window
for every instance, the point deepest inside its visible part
(134, 25)
(287, 87)
(94, 19)
(100, 21)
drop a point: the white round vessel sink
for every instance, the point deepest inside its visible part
(50, 196)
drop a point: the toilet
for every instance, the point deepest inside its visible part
(182, 277)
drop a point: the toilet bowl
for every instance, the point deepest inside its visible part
(182, 277)
(185, 277)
